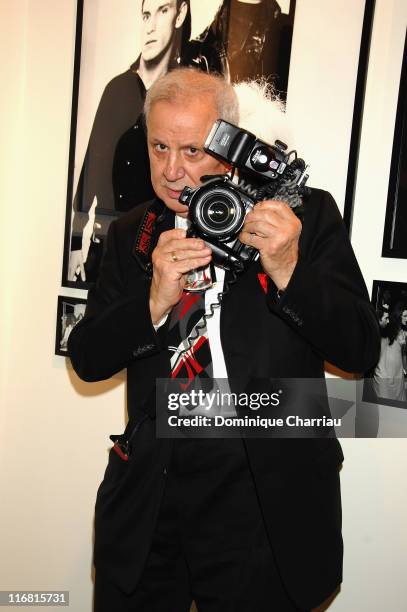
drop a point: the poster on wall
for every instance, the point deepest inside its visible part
(387, 383)
(109, 168)
(395, 229)
(70, 311)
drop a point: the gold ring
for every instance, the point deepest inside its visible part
(174, 256)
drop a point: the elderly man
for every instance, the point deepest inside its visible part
(234, 524)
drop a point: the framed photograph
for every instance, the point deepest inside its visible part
(387, 383)
(395, 229)
(294, 45)
(69, 312)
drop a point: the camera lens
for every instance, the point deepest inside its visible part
(219, 212)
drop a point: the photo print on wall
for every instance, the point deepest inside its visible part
(70, 311)
(109, 170)
(387, 383)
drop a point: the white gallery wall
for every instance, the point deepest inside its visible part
(53, 428)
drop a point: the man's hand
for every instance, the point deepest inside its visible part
(173, 257)
(76, 266)
(273, 229)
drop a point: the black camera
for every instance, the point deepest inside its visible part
(217, 210)
(218, 207)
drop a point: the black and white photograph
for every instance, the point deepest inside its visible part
(255, 38)
(387, 383)
(241, 39)
(119, 55)
(70, 311)
(395, 230)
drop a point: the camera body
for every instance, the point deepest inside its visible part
(217, 210)
(218, 207)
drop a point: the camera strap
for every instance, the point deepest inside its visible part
(146, 238)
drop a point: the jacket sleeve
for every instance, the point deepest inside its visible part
(117, 328)
(326, 300)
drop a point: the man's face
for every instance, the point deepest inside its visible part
(176, 134)
(404, 317)
(159, 20)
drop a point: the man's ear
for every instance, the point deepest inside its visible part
(182, 13)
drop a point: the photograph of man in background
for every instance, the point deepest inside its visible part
(162, 34)
(114, 177)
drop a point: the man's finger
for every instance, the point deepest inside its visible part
(252, 240)
(183, 244)
(260, 227)
(268, 214)
(278, 206)
(190, 264)
(182, 255)
(165, 237)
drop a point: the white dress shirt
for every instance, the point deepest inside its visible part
(213, 323)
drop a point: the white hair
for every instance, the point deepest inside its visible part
(184, 84)
(262, 112)
(253, 105)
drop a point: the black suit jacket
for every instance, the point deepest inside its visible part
(324, 314)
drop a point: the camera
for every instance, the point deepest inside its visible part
(217, 209)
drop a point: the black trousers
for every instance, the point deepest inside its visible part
(209, 543)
